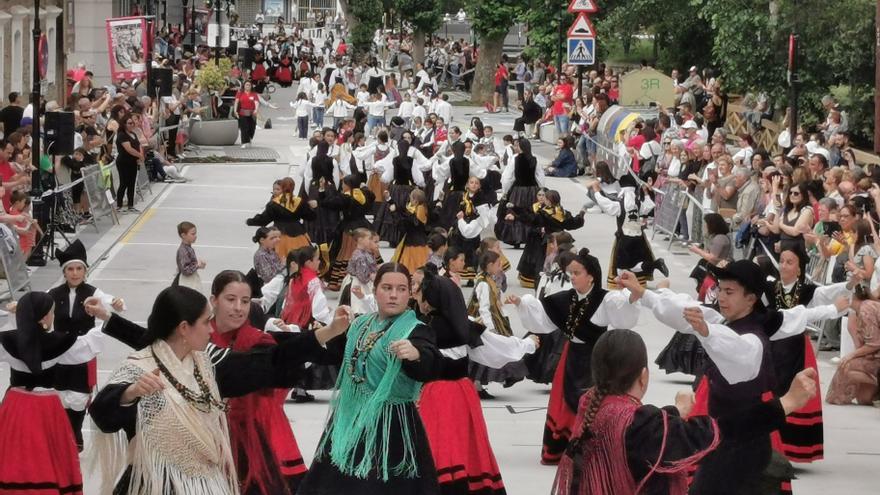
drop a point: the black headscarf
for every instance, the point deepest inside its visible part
(34, 343)
(448, 303)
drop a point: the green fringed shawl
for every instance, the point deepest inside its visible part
(361, 413)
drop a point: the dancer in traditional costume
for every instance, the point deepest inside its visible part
(286, 211)
(354, 204)
(542, 364)
(473, 217)
(741, 372)
(78, 381)
(452, 175)
(320, 183)
(402, 171)
(449, 406)
(375, 442)
(412, 251)
(362, 267)
(623, 447)
(545, 219)
(631, 250)
(583, 313)
(163, 412)
(376, 152)
(38, 451)
(801, 439)
(519, 186)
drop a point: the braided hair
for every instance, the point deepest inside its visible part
(619, 357)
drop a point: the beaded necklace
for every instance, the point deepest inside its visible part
(366, 340)
(786, 300)
(203, 400)
(576, 314)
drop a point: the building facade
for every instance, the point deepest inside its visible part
(16, 46)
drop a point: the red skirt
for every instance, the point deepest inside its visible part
(453, 419)
(38, 453)
(560, 417)
(802, 437)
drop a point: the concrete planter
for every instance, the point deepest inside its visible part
(214, 132)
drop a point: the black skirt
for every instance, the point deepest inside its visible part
(683, 354)
(508, 374)
(532, 261)
(322, 229)
(446, 218)
(324, 478)
(389, 222)
(516, 231)
(319, 377)
(543, 362)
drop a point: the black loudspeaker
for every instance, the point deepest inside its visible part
(245, 58)
(160, 80)
(59, 133)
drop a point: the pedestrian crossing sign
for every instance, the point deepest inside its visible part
(581, 51)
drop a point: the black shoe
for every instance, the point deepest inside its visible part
(485, 395)
(302, 397)
(659, 264)
(511, 382)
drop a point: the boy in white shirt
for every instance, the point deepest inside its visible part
(301, 109)
(419, 110)
(363, 96)
(406, 111)
(319, 100)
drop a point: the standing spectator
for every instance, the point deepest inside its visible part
(247, 105)
(501, 81)
(129, 156)
(562, 102)
(319, 101)
(11, 114)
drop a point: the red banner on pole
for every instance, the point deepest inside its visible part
(127, 42)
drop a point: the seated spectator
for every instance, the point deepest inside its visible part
(565, 163)
(856, 376)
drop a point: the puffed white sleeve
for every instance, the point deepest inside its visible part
(668, 307)
(616, 311)
(827, 294)
(738, 357)
(479, 166)
(416, 171)
(608, 207)
(336, 174)
(364, 152)
(534, 318)
(647, 206)
(485, 303)
(498, 350)
(472, 229)
(539, 176)
(107, 300)
(440, 172)
(85, 348)
(271, 291)
(320, 309)
(795, 320)
(385, 166)
(507, 176)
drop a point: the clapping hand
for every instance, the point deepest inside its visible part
(694, 317)
(118, 304)
(95, 308)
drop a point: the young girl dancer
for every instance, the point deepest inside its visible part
(473, 217)
(286, 211)
(354, 203)
(413, 251)
(321, 181)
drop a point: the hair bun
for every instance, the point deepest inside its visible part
(584, 252)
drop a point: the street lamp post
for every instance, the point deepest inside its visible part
(36, 187)
(793, 76)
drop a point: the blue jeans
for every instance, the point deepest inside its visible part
(562, 124)
(318, 116)
(373, 122)
(302, 124)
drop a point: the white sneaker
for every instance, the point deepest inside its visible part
(243, 146)
(835, 360)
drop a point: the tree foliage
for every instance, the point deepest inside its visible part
(543, 18)
(490, 20)
(369, 19)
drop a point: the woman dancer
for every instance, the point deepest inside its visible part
(374, 441)
(449, 406)
(474, 216)
(320, 183)
(39, 447)
(631, 250)
(402, 170)
(621, 446)
(801, 438)
(453, 176)
(286, 212)
(163, 413)
(354, 203)
(519, 187)
(583, 313)
(545, 219)
(413, 251)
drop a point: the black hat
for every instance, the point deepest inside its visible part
(74, 252)
(744, 272)
(627, 180)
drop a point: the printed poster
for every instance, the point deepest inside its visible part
(127, 47)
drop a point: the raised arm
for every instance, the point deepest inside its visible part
(532, 314)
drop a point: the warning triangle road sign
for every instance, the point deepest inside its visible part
(583, 6)
(582, 27)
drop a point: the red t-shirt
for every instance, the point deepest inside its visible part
(566, 91)
(6, 173)
(247, 101)
(500, 75)
(341, 49)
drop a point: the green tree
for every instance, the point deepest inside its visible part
(363, 18)
(543, 18)
(490, 20)
(425, 17)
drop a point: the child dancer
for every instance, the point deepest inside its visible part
(301, 108)
(473, 217)
(354, 203)
(358, 284)
(438, 245)
(412, 251)
(188, 264)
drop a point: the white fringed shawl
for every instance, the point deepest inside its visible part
(177, 448)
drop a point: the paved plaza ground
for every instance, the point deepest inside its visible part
(139, 262)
